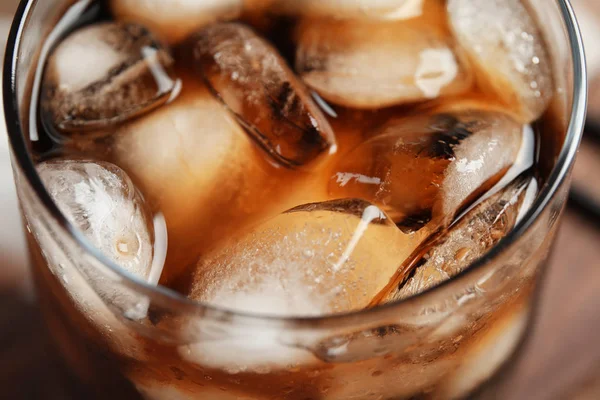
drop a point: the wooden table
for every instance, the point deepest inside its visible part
(560, 361)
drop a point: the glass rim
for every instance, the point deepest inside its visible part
(173, 299)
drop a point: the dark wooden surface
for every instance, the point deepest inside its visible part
(560, 361)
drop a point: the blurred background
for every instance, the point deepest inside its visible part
(560, 360)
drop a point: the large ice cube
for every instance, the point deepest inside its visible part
(373, 64)
(105, 74)
(468, 240)
(197, 166)
(427, 168)
(175, 20)
(352, 9)
(503, 41)
(248, 75)
(100, 200)
(315, 259)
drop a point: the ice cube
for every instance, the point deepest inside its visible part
(503, 41)
(352, 9)
(196, 165)
(248, 350)
(427, 168)
(315, 259)
(64, 260)
(175, 20)
(101, 200)
(373, 64)
(467, 240)
(248, 75)
(105, 74)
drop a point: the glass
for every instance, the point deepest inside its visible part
(128, 339)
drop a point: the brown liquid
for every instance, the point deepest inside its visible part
(106, 372)
(262, 187)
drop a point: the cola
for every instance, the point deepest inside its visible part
(292, 161)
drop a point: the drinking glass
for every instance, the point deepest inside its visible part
(124, 338)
